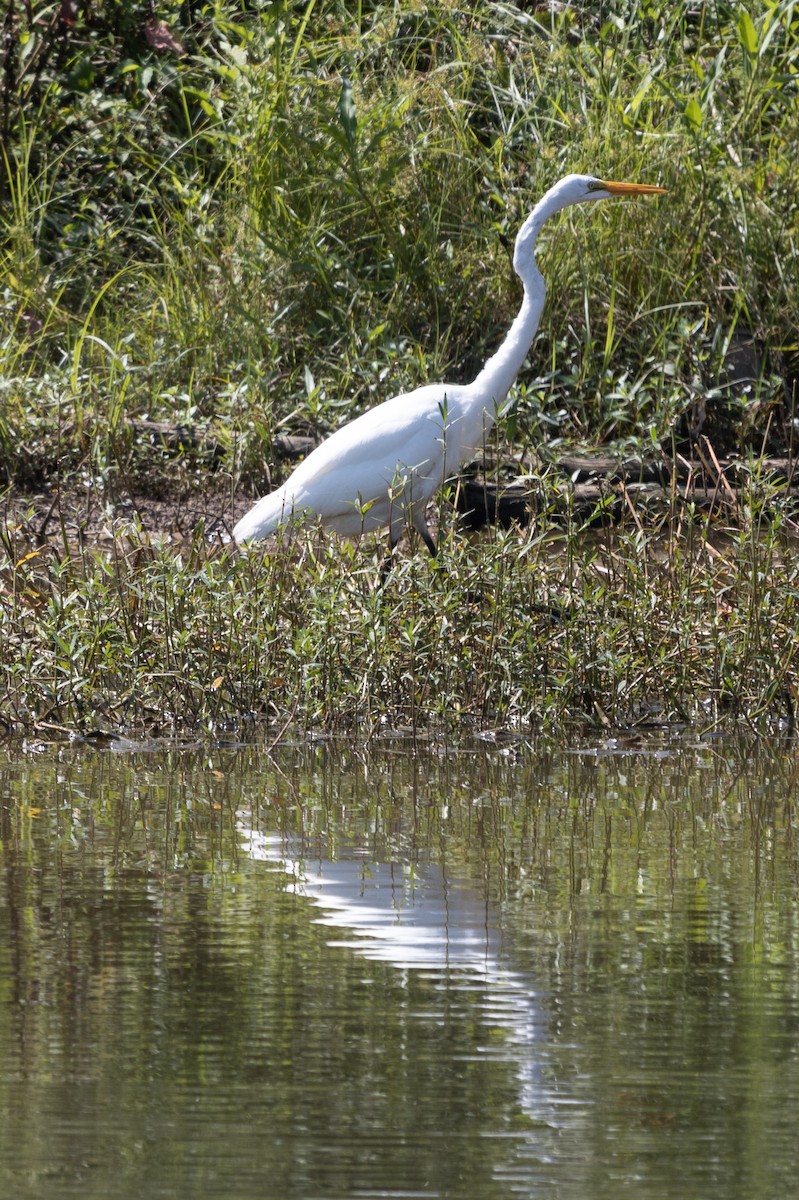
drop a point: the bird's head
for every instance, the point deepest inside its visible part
(580, 189)
(572, 189)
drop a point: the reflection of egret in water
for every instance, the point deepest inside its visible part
(418, 919)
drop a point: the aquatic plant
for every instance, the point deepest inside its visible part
(557, 625)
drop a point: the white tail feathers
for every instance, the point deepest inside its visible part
(266, 517)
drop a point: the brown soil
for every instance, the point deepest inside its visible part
(598, 487)
(72, 514)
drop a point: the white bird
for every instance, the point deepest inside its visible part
(384, 467)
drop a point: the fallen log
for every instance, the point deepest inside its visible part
(601, 489)
(593, 487)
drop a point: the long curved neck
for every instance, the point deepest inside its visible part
(494, 381)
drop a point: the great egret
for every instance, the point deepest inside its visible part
(384, 467)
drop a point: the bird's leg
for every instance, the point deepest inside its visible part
(395, 527)
(420, 525)
(395, 533)
(428, 541)
(386, 565)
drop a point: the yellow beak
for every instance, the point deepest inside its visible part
(631, 189)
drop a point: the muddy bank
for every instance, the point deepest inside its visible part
(592, 488)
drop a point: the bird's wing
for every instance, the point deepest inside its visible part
(398, 445)
(363, 458)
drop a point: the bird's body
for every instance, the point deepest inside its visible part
(384, 467)
(380, 469)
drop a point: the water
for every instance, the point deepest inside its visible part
(503, 971)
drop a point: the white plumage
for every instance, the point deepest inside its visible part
(384, 467)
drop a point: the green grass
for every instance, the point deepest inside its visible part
(214, 236)
(550, 628)
(235, 238)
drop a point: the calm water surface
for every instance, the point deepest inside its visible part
(493, 972)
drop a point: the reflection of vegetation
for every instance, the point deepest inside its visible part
(166, 1009)
(179, 1014)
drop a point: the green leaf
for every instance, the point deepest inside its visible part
(747, 34)
(693, 115)
(635, 103)
(81, 77)
(346, 111)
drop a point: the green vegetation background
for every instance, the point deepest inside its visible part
(262, 218)
(268, 216)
